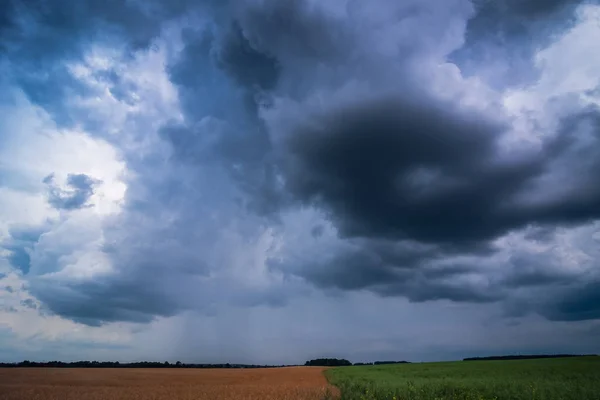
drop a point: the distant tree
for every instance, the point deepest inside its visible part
(328, 362)
(390, 362)
(110, 364)
(526, 357)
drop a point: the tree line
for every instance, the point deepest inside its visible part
(328, 362)
(319, 362)
(116, 364)
(384, 363)
(335, 362)
(526, 357)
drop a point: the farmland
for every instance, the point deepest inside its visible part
(538, 379)
(549, 379)
(302, 383)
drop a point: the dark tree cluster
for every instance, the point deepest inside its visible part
(328, 362)
(390, 362)
(527, 357)
(110, 364)
(381, 363)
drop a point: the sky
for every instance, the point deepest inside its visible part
(264, 181)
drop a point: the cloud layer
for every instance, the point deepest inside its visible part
(176, 161)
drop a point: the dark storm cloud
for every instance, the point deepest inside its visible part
(409, 182)
(396, 168)
(47, 35)
(408, 166)
(351, 271)
(228, 73)
(80, 189)
(522, 8)
(245, 64)
(294, 29)
(391, 268)
(202, 89)
(20, 244)
(573, 155)
(356, 271)
(438, 290)
(137, 294)
(526, 276)
(7, 23)
(97, 302)
(508, 32)
(576, 304)
(221, 78)
(155, 268)
(162, 249)
(59, 28)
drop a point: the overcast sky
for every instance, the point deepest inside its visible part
(266, 181)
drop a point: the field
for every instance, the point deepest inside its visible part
(302, 383)
(549, 379)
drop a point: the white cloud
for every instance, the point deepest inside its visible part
(569, 66)
(127, 94)
(572, 63)
(33, 146)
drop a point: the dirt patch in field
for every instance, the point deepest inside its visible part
(294, 383)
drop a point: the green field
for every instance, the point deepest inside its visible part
(562, 378)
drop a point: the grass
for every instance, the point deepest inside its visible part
(546, 379)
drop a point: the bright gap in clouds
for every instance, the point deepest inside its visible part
(273, 181)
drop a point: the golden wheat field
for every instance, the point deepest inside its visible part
(293, 383)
